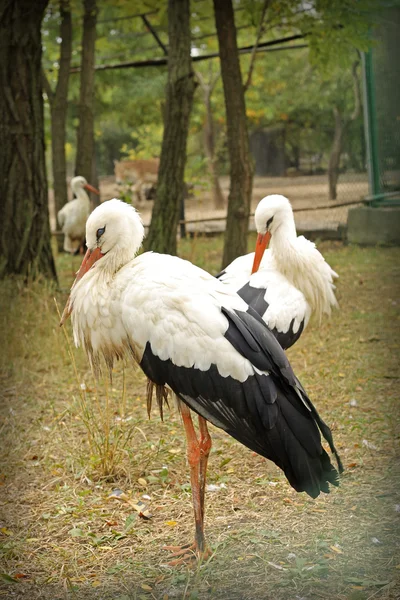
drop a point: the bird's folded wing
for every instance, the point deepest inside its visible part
(269, 412)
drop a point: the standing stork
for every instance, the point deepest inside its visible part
(287, 283)
(73, 215)
(188, 331)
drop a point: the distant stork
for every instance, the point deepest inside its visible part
(189, 332)
(287, 283)
(73, 215)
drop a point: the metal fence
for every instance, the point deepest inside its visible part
(382, 109)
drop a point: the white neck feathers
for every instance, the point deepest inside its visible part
(81, 195)
(304, 266)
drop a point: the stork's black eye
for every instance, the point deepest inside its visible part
(269, 221)
(100, 232)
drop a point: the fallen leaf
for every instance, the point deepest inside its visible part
(171, 523)
(336, 549)
(21, 575)
(146, 587)
(357, 587)
(139, 506)
(276, 566)
(142, 481)
(369, 445)
(6, 531)
(117, 493)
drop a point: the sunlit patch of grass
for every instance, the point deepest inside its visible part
(62, 536)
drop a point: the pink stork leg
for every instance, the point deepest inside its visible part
(205, 448)
(198, 451)
(194, 458)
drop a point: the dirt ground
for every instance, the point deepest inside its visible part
(68, 442)
(304, 192)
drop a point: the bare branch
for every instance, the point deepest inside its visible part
(157, 62)
(202, 81)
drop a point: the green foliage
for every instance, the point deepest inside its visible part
(295, 89)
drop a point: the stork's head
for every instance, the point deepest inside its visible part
(271, 212)
(114, 227)
(79, 182)
(114, 233)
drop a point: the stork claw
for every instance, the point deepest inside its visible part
(187, 554)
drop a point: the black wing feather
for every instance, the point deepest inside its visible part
(255, 297)
(269, 413)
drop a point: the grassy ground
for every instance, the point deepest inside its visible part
(68, 442)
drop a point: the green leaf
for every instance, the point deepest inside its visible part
(76, 532)
(130, 521)
(8, 578)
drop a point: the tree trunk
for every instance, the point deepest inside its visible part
(241, 172)
(209, 143)
(179, 99)
(334, 159)
(58, 101)
(25, 246)
(85, 141)
(340, 126)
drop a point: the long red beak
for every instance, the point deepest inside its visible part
(91, 189)
(89, 259)
(261, 244)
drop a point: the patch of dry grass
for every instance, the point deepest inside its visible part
(63, 537)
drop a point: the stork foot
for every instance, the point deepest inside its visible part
(186, 554)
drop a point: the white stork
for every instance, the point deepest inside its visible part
(189, 332)
(287, 283)
(73, 215)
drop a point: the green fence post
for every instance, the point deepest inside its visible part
(370, 127)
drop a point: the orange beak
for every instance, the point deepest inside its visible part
(88, 261)
(91, 189)
(261, 244)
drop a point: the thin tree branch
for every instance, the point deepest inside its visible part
(207, 85)
(157, 62)
(154, 34)
(254, 52)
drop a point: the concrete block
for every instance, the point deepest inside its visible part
(369, 226)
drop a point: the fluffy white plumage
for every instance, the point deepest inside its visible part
(124, 302)
(73, 216)
(297, 280)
